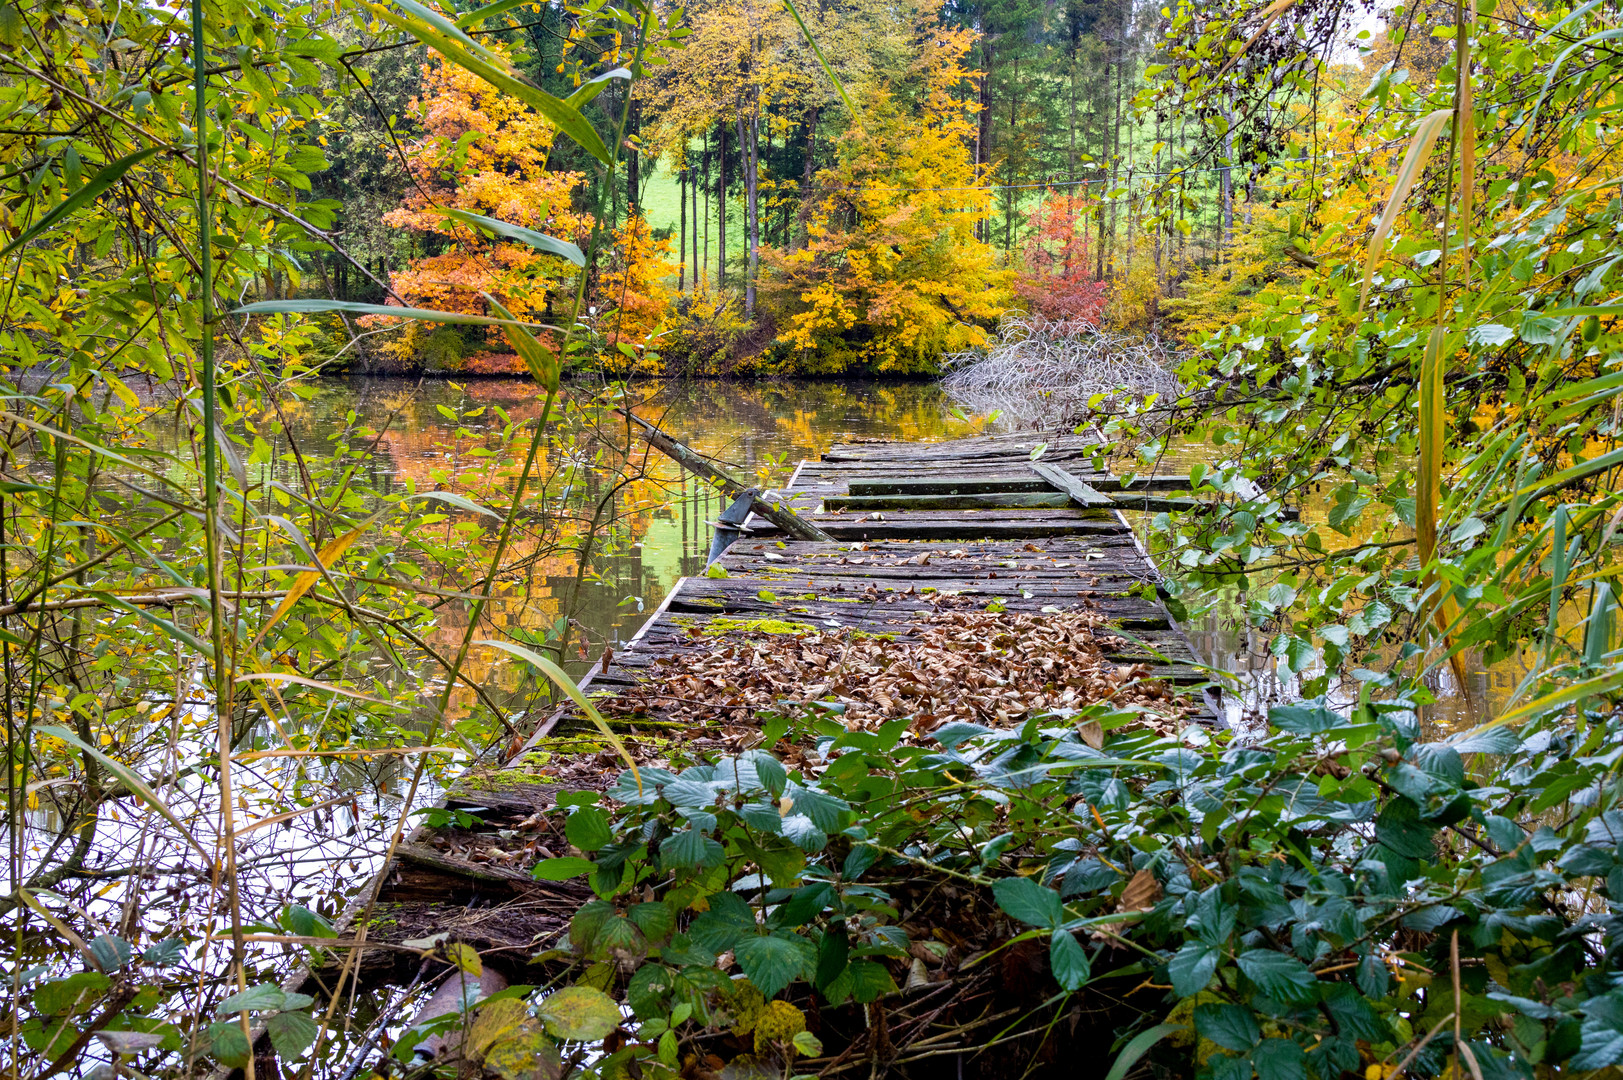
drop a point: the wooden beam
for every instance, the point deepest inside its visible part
(997, 500)
(1080, 493)
(969, 485)
(775, 512)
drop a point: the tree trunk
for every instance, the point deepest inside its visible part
(808, 169)
(633, 166)
(983, 134)
(1008, 175)
(698, 272)
(749, 147)
(1225, 181)
(697, 277)
(721, 211)
(682, 235)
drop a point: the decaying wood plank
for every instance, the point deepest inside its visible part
(1003, 500)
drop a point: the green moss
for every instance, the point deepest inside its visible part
(728, 625)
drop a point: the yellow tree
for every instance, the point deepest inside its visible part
(893, 276)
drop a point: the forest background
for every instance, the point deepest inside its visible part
(997, 162)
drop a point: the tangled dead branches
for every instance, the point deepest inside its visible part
(1042, 372)
(982, 667)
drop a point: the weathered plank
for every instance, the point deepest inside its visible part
(1075, 489)
(1000, 500)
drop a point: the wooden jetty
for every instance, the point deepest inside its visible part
(906, 523)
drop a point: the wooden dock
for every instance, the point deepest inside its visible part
(921, 535)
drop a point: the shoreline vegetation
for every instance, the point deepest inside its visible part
(1369, 262)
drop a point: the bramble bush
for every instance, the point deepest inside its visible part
(1339, 897)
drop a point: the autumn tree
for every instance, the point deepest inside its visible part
(485, 153)
(893, 275)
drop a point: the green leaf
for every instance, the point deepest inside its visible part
(1192, 968)
(1069, 961)
(771, 962)
(302, 921)
(291, 1033)
(537, 240)
(653, 919)
(689, 848)
(70, 993)
(1414, 163)
(465, 958)
(1283, 978)
(1139, 1047)
(228, 1044)
(823, 809)
(588, 829)
(1279, 1059)
(130, 780)
(1229, 1026)
(870, 981)
(111, 952)
(443, 36)
(594, 86)
(719, 928)
(1029, 902)
(92, 190)
(489, 11)
(570, 866)
(579, 1013)
(542, 361)
(461, 502)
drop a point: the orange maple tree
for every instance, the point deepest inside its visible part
(485, 153)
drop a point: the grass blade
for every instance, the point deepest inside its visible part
(489, 11)
(567, 685)
(839, 87)
(595, 86)
(129, 779)
(1414, 163)
(1433, 426)
(1578, 691)
(1558, 568)
(317, 684)
(542, 361)
(1598, 631)
(537, 240)
(443, 36)
(184, 636)
(314, 307)
(302, 584)
(1139, 1047)
(93, 188)
(1465, 131)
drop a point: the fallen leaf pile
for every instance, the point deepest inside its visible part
(983, 667)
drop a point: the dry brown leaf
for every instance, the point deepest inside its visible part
(1141, 893)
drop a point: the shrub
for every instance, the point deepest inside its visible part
(1323, 901)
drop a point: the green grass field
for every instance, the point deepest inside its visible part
(660, 195)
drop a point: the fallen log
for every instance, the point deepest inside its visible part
(775, 512)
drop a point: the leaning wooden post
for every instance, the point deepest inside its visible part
(778, 514)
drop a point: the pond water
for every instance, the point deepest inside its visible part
(660, 525)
